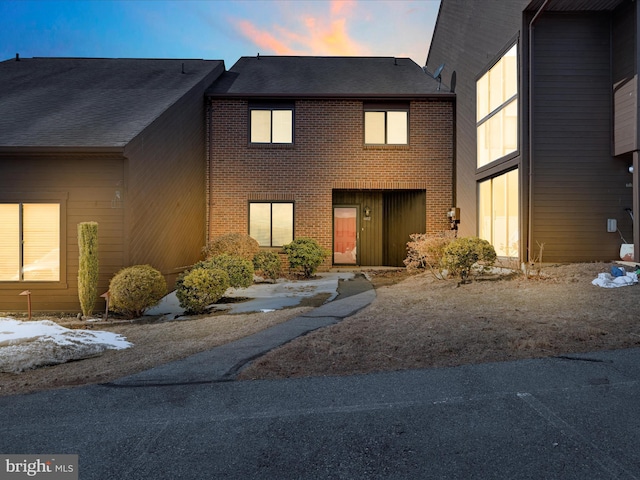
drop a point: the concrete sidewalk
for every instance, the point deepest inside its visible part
(224, 362)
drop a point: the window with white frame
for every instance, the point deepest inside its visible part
(498, 212)
(30, 242)
(386, 126)
(497, 109)
(271, 125)
(271, 223)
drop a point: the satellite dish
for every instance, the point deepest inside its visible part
(438, 71)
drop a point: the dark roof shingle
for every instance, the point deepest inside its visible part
(89, 102)
(324, 76)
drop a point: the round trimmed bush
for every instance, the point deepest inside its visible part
(240, 271)
(134, 289)
(306, 254)
(236, 244)
(201, 287)
(268, 264)
(465, 255)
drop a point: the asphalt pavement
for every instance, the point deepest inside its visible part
(572, 417)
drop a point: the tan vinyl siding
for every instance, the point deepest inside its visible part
(85, 186)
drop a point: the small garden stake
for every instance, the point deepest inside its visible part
(28, 294)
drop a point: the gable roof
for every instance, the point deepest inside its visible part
(89, 103)
(292, 76)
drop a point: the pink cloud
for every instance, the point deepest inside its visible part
(326, 34)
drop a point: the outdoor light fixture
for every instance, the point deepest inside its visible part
(630, 168)
(367, 212)
(27, 293)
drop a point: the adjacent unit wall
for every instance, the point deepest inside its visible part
(86, 186)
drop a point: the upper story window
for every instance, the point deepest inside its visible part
(386, 125)
(271, 124)
(30, 242)
(497, 109)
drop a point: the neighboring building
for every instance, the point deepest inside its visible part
(547, 123)
(356, 152)
(117, 141)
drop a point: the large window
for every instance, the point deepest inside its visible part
(386, 127)
(271, 224)
(30, 242)
(271, 125)
(498, 212)
(497, 109)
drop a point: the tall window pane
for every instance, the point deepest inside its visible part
(282, 126)
(374, 127)
(498, 213)
(282, 224)
(260, 126)
(9, 242)
(41, 242)
(397, 128)
(260, 223)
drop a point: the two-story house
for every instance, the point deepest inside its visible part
(547, 123)
(356, 152)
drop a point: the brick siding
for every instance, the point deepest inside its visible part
(328, 153)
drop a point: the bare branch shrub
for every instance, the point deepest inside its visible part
(425, 252)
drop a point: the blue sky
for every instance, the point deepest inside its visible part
(216, 29)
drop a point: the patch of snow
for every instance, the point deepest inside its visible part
(264, 296)
(27, 345)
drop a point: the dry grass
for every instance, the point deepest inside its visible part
(422, 322)
(415, 322)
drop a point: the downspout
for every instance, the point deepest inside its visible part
(530, 77)
(207, 173)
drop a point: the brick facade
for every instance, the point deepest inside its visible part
(327, 153)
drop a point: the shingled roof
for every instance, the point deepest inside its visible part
(291, 76)
(90, 102)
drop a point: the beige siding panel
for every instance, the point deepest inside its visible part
(89, 183)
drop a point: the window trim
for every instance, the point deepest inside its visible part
(385, 108)
(60, 198)
(271, 203)
(271, 107)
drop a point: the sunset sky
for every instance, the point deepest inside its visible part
(218, 29)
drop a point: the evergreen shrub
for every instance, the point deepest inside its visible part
(135, 289)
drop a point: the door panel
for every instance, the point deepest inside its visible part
(345, 235)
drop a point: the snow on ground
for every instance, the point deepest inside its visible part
(264, 297)
(27, 345)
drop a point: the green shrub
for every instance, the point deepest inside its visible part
(240, 271)
(200, 287)
(88, 268)
(268, 264)
(426, 251)
(464, 255)
(134, 289)
(305, 253)
(236, 244)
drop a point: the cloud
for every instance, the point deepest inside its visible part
(324, 33)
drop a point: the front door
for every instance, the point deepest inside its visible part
(345, 235)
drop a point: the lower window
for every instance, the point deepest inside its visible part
(30, 242)
(498, 213)
(271, 223)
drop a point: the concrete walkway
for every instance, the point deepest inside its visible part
(224, 362)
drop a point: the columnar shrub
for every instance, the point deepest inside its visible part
(88, 267)
(135, 289)
(464, 255)
(268, 264)
(306, 254)
(201, 287)
(425, 252)
(240, 271)
(236, 244)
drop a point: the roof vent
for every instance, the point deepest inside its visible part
(17, 57)
(258, 56)
(183, 68)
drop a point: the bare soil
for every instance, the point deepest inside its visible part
(416, 321)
